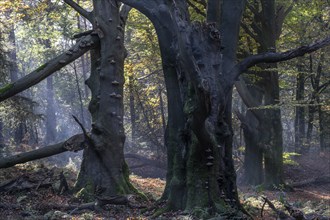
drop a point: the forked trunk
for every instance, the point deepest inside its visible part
(198, 135)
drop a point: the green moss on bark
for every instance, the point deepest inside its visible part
(86, 193)
(41, 67)
(5, 88)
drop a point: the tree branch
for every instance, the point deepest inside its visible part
(144, 6)
(271, 57)
(75, 143)
(83, 45)
(249, 32)
(80, 10)
(124, 11)
(280, 16)
(197, 10)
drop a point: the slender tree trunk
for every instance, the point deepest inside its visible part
(300, 110)
(132, 110)
(83, 57)
(13, 70)
(315, 99)
(162, 113)
(50, 113)
(82, 115)
(2, 141)
(310, 122)
(324, 123)
(85, 116)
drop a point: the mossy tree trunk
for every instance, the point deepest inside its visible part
(103, 167)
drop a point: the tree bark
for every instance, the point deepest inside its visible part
(253, 158)
(200, 168)
(103, 166)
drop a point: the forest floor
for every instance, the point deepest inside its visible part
(31, 191)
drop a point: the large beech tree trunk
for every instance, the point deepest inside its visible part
(198, 135)
(103, 166)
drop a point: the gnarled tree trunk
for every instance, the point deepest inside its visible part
(198, 135)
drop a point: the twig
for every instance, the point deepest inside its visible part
(281, 214)
(262, 209)
(86, 136)
(64, 187)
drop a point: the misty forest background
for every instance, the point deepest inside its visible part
(33, 32)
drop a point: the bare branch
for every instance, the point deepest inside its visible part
(83, 45)
(202, 2)
(249, 32)
(272, 57)
(280, 16)
(80, 10)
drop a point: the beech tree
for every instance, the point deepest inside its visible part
(263, 127)
(200, 68)
(199, 64)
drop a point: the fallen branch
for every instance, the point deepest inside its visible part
(22, 183)
(281, 215)
(146, 161)
(96, 205)
(317, 180)
(75, 143)
(295, 213)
